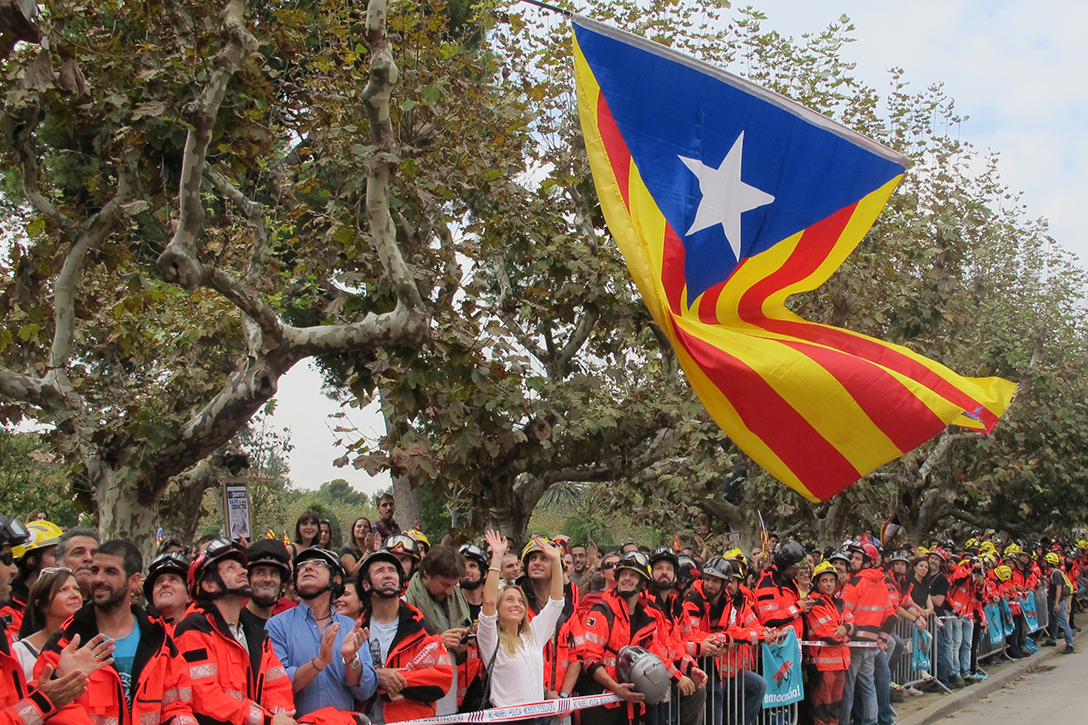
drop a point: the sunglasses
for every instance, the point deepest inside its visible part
(609, 565)
(53, 570)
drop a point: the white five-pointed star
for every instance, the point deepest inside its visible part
(725, 196)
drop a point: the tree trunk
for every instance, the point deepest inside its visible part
(180, 505)
(408, 511)
(127, 508)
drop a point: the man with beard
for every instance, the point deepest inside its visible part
(148, 682)
(563, 653)
(869, 614)
(17, 706)
(386, 525)
(398, 638)
(75, 550)
(476, 563)
(269, 569)
(580, 560)
(236, 677)
(165, 588)
(320, 649)
(720, 623)
(433, 591)
(620, 619)
(662, 595)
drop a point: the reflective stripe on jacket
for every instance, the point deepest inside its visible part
(776, 602)
(232, 686)
(822, 620)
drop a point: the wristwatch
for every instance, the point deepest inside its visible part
(564, 695)
(355, 664)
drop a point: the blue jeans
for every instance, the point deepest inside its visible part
(860, 683)
(1062, 617)
(967, 626)
(882, 680)
(753, 688)
(944, 651)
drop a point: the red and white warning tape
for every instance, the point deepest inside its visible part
(549, 708)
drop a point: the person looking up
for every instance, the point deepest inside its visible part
(53, 598)
(476, 565)
(407, 552)
(319, 648)
(165, 588)
(236, 677)
(75, 550)
(398, 638)
(511, 645)
(145, 680)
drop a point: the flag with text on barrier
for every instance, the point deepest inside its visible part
(782, 671)
(725, 200)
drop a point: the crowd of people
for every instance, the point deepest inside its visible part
(390, 629)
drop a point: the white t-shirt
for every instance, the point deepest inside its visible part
(518, 680)
(381, 639)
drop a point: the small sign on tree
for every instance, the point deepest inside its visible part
(236, 508)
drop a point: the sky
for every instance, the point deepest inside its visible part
(1016, 69)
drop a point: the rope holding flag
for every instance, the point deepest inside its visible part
(726, 199)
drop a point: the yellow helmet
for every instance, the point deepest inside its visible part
(1004, 573)
(987, 546)
(420, 538)
(970, 543)
(1082, 544)
(1013, 549)
(1053, 559)
(824, 567)
(42, 534)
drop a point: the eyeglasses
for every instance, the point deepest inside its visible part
(53, 570)
(312, 564)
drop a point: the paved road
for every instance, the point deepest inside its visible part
(1055, 695)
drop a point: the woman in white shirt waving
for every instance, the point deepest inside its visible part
(507, 637)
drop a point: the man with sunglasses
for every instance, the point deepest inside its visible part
(237, 679)
(319, 648)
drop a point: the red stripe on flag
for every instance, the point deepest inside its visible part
(618, 155)
(773, 420)
(673, 278)
(708, 306)
(892, 407)
(813, 249)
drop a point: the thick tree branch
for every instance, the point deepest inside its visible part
(581, 333)
(376, 96)
(255, 309)
(28, 166)
(938, 452)
(179, 262)
(657, 445)
(390, 328)
(26, 389)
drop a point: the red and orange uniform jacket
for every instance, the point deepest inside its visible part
(776, 602)
(428, 668)
(609, 627)
(868, 610)
(230, 685)
(732, 617)
(822, 620)
(162, 690)
(19, 705)
(679, 663)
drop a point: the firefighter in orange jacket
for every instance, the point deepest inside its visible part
(19, 705)
(721, 622)
(826, 625)
(618, 620)
(869, 613)
(233, 684)
(662, 596)
(778, 602)
(148, 683)
(414, 668)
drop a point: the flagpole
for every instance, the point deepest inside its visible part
(546, 6)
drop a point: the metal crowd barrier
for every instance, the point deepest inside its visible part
(904, 672)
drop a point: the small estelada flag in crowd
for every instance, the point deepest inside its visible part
(764, 535)
(726, 199)
(158, 537)
(286, 540)
(270, 534)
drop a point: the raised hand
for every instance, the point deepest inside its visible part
(63, 690)
(324, 653)
(498, 544)
(87, 659)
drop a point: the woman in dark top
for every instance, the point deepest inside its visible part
(916, 586)
(361, 544)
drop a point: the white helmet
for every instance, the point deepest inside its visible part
(645, 671)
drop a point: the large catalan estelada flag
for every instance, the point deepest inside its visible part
(726, 199)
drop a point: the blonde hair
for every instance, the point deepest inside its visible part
(510, 642)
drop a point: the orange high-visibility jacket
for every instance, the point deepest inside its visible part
(822, 620)
(731, 616)
(776, 602)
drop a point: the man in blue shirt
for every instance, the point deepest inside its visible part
(320, 649)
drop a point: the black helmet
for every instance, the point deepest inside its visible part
(330, 560)
(12, 531)
(270, 552)
(363, 574)
(664, 553)
(840, 555)
(471, 551)
(218, 550)
(788, 553)
(720, 568)
(900, 556)
(688, 571)
(172, 562)
(635, 561)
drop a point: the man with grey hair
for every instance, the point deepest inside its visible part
(75, 550)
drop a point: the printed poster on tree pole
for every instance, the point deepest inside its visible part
(236, 509)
